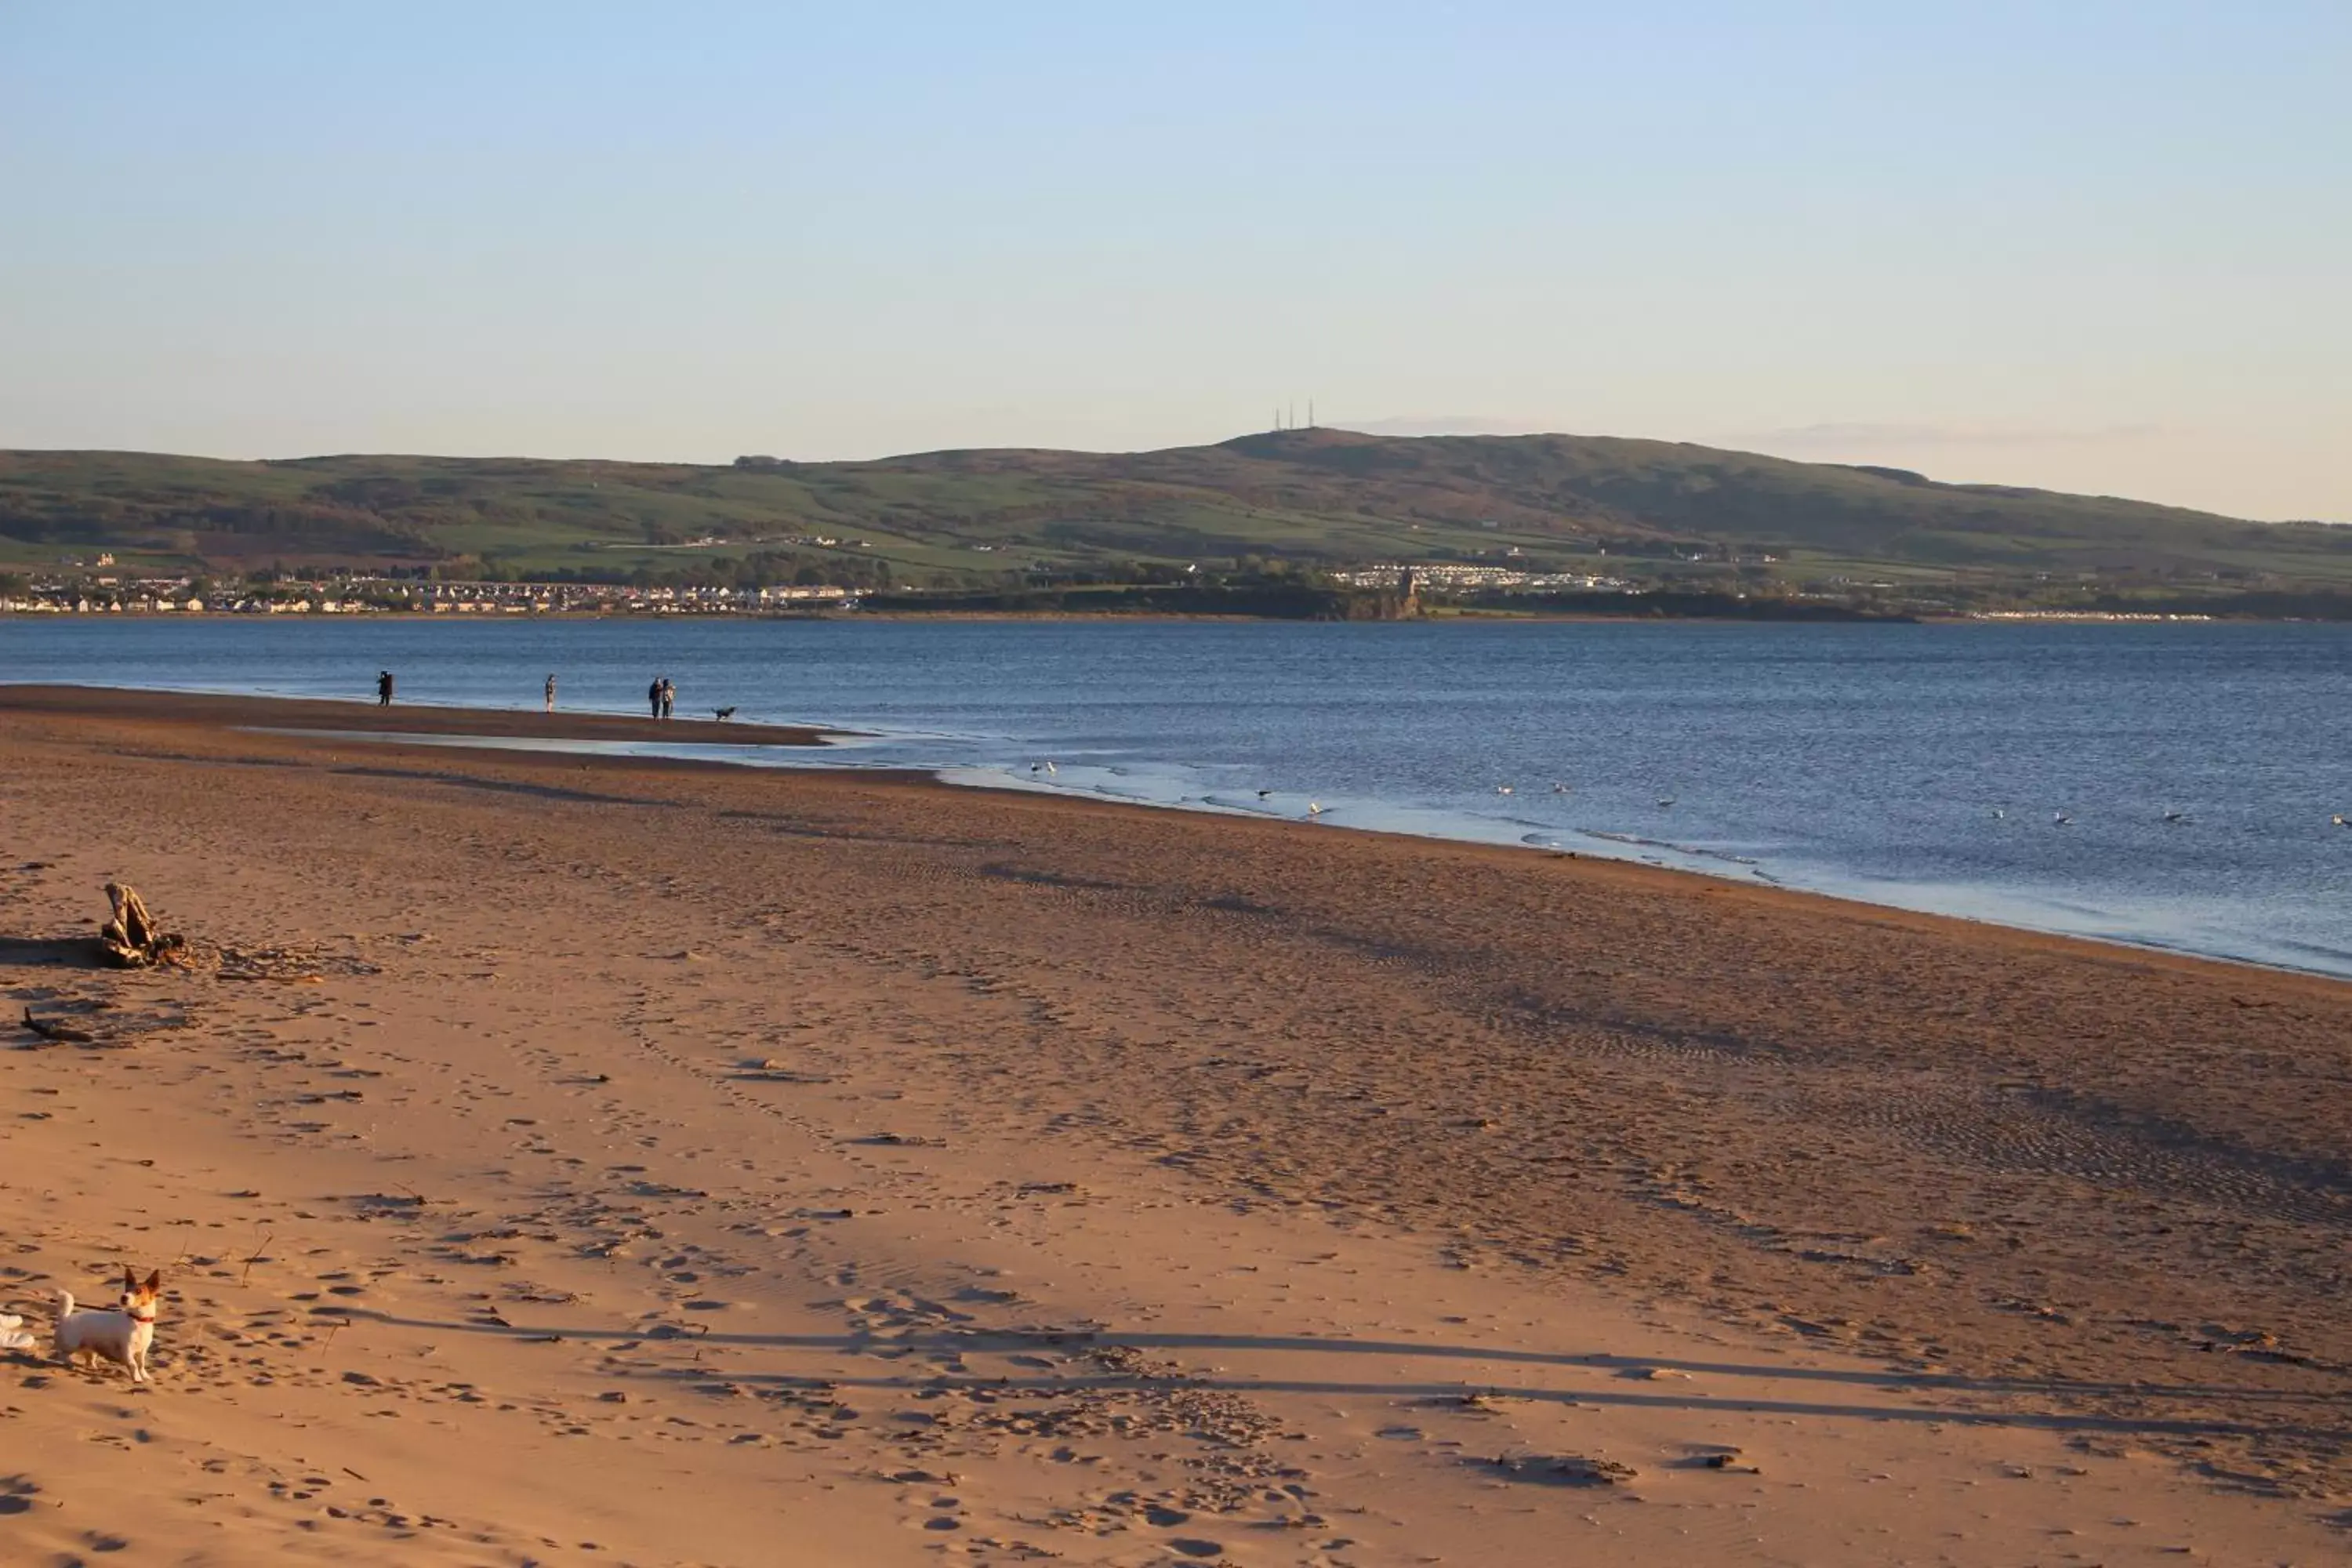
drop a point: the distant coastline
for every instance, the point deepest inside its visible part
(1294, 599)
(1295, 524)
(1770, 613)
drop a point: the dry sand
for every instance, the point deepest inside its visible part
(566, 1161)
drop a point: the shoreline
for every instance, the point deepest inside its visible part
(1478, 615)
(447, 727)
(545, 1139)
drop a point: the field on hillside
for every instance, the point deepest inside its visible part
(1325, 498)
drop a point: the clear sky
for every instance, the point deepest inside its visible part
(2102, 246)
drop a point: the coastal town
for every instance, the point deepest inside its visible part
(101, 593)
(100, 589)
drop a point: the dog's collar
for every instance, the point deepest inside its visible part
(137, 1319)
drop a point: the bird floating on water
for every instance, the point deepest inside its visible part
(2341, 820)
(1502, 789)
(1265, 793)
(1314, 808)
(2178, 816)
(1664, 801)
(1559, 789)
(1999, 815)
(2059, 819)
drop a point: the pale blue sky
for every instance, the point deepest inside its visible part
(2090, 246)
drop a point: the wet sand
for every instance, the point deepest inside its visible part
(212, 710)
(733, 1166)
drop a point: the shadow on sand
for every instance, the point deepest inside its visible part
(984, 1341)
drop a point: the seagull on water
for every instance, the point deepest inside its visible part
(1265, 793)
(1314, 808)
(1999, 815)
(1044, 767)
(1559, 789)
(2061, 819)
(1502, 789)
(2178, 816)
(2341, 820)
(1664, 801)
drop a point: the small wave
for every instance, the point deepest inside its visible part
(1695, 851)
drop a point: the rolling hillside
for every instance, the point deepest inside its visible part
(1325, 497)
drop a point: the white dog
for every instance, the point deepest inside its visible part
(121, 1334)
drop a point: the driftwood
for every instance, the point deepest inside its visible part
(132, 939)
(50, 1029)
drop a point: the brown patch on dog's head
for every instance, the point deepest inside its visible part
(135, 1294)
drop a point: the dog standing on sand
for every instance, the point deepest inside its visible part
(120, 1334)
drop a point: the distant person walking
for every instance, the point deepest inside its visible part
(383, 688)
(654, 696)
(550, 694)
(669, 697)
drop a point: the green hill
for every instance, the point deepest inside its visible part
(1324, 497)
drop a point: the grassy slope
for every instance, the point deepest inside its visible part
(1326, 495)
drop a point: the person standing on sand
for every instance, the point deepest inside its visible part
(550, 693)
(669, 697)
(653, 696)
(383, 688)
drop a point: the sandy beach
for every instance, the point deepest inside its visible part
(561, 1159)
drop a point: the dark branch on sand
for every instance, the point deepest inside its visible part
(50, 1029)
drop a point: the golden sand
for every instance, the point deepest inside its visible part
(570, 1160)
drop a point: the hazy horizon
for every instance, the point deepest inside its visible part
(2095, 248)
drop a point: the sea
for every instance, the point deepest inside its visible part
(2169, 785)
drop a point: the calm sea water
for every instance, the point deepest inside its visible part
(1919, 766)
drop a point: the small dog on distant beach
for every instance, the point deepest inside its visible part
(120, 1334)
(722, 714)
